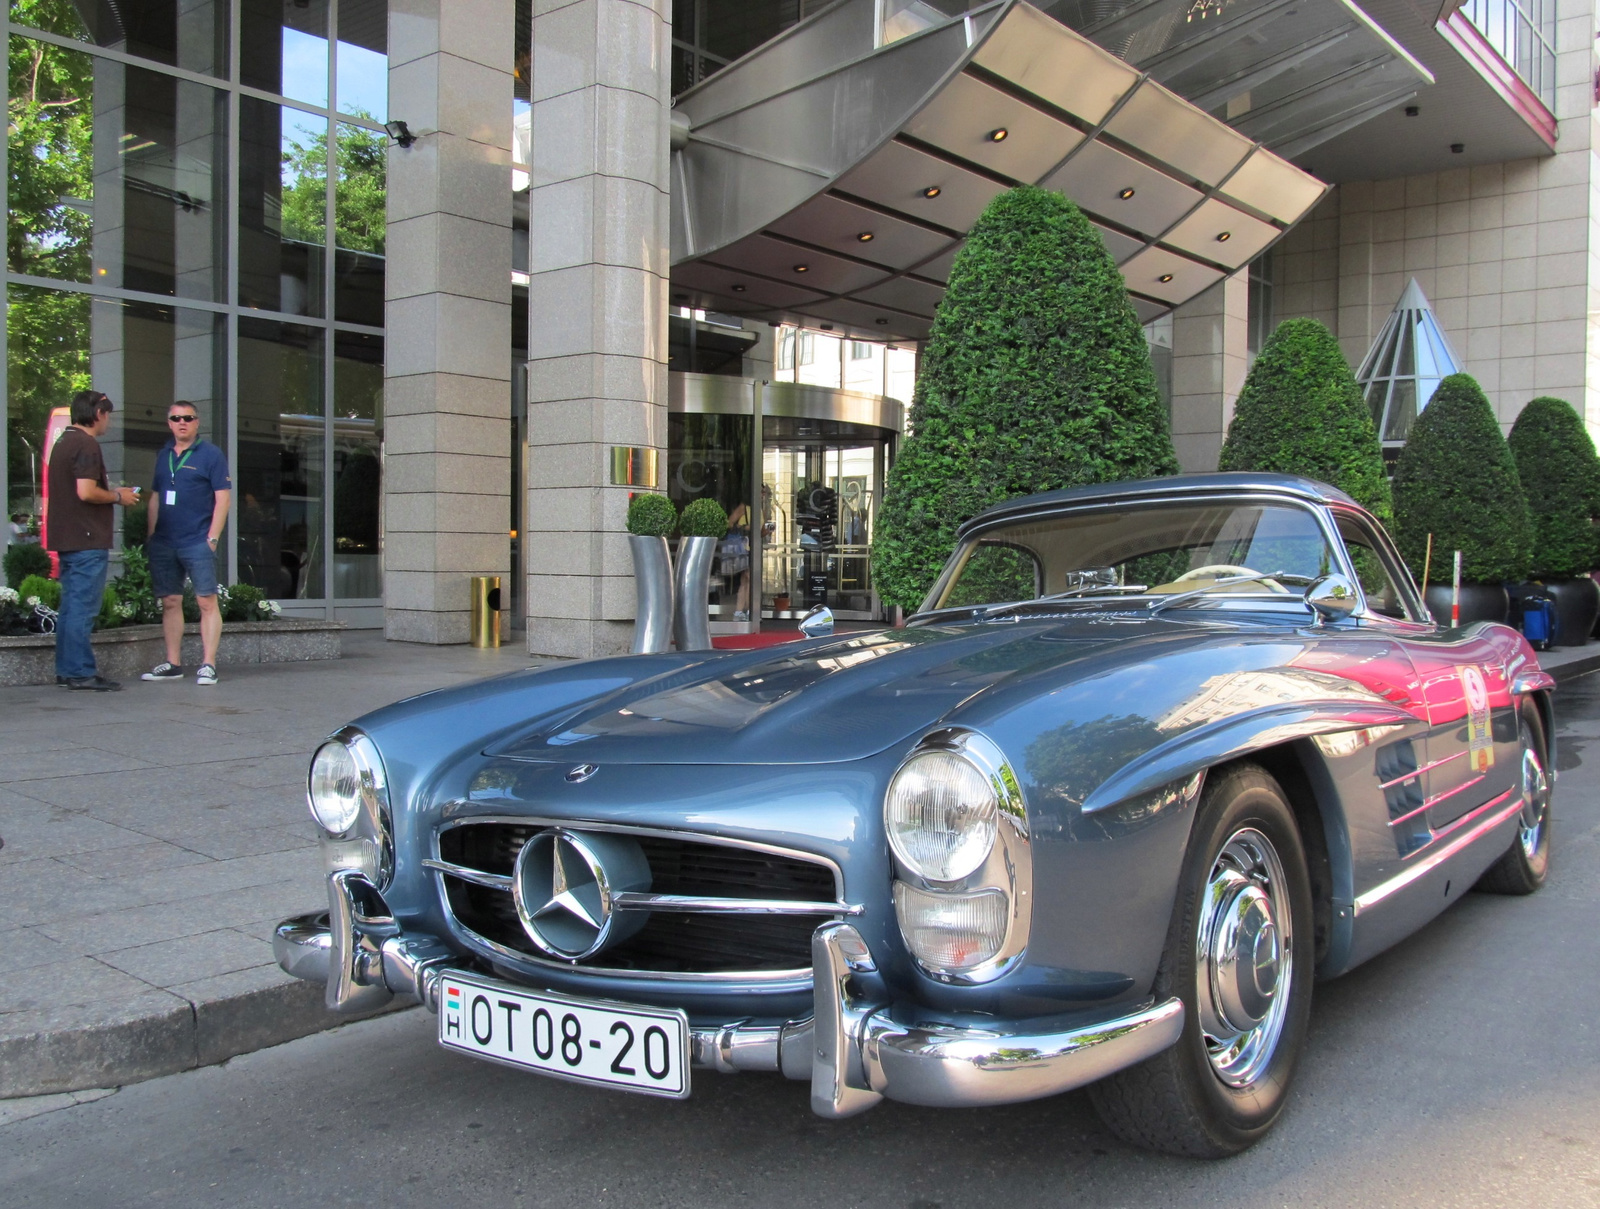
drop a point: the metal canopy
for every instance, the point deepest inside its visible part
(827, 180)
(1288, 73)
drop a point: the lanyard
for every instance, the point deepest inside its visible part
(173, 470)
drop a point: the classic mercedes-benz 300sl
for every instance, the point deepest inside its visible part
(1150, 759)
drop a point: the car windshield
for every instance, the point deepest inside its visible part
(1158, 550)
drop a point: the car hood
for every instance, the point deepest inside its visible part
(835, 699)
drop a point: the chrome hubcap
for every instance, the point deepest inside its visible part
(1535, 800)
(1244, 957)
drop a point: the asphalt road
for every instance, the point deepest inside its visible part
(1460, 1068)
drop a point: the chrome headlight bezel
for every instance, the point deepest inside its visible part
(1008, 867)
(367, 845)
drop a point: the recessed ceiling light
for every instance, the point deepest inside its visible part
(881, 322)
(1224, 236)
(865, 237)
(932, 191)
(1125, 194)
(998, 135)
(802, 268)
(1164, 278)
(738, 289)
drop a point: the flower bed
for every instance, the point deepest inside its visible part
(125, 652)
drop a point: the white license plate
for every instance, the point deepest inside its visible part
(593, 1041)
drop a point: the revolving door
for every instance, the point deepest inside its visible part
(823, 455)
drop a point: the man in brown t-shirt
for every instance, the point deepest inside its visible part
(77, 527)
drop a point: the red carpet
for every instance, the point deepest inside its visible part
(753, 642)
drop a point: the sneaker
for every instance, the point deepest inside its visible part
(164, 671)
(95, 684)
(206, 675)
(741, 614)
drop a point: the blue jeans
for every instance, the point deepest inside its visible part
(83, 586)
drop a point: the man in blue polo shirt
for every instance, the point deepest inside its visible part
(188, 508)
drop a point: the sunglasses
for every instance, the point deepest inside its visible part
(181, 419)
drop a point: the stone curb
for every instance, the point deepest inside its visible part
(1574, 668)
(192, 1033)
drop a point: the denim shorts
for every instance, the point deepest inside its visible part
(169, 565)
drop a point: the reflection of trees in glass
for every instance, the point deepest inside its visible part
(355, 501)
(48, 230)
(1069, 762)
(358, 204)
(992, 575)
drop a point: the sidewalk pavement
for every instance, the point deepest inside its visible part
(153, 839)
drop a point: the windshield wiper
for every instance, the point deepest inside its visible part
(1226, 581)
(1081, 590)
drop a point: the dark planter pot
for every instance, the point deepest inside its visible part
(1479, 602)
(1577, 608)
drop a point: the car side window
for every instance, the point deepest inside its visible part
(1379, 577)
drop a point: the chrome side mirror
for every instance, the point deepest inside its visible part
(818, 623)
(1332, 597)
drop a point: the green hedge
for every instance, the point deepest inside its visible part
(651, 515)
(1036, 376)
(1457, 480)
(46, 589)
(1301, 412)
(21, 561)
(1561, 477)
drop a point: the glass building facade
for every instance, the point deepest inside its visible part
(195, 199)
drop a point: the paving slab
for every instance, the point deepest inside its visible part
(150, 840)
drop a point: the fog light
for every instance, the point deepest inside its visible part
(951, 933)
(334, 790)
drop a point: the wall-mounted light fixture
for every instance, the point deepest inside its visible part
(400, 133)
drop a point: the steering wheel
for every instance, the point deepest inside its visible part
(1219, 570)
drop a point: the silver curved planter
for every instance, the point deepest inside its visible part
(652, 585)
(691, 623)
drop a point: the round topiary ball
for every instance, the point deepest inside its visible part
(651, 515)
(1561, 477)
(1301, 412)
(703, 518)
(1457, 480)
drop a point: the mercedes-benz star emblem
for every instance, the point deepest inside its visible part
(564, 883)
(582, 772)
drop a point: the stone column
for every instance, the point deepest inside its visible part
(447, 374)
(597, 307)
(1210, 356)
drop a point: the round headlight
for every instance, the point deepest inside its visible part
(942, 816)
(335, 788)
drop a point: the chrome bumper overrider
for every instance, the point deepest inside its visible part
(851, 1049)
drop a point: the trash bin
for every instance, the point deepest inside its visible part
(485, 610)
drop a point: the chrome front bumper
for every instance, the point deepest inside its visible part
(850, 1049)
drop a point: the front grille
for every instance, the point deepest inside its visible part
(671, 942)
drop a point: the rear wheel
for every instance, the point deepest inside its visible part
(1239, 956)
(1526, 863)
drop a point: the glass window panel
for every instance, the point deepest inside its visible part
(279, 478)
(191, 34)
(1427, 365)
(1376, 393)
(1405, 362)
(283, 48)
(116, 174)
(1402, 410)
(361, 59)
(47, 362)
(283, 193)
(358, 236)
(357, 466)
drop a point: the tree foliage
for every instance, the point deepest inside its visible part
(1561, 477)
(50, 188)
(1456, 479)
(1301, 412)
(359, 189)
(1036, 376)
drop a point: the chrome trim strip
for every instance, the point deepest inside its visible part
(1498, 812)
(688, 904)
(1436, 799)
(1417, 772)
(495, 881)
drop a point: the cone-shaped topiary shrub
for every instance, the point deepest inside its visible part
(1561, 477)
(1457, 480)
(1036, 376)
(1301, 412)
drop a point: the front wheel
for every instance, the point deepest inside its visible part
(1526, 863)
(1239, 955)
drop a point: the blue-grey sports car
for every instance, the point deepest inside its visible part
(1151, 758)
